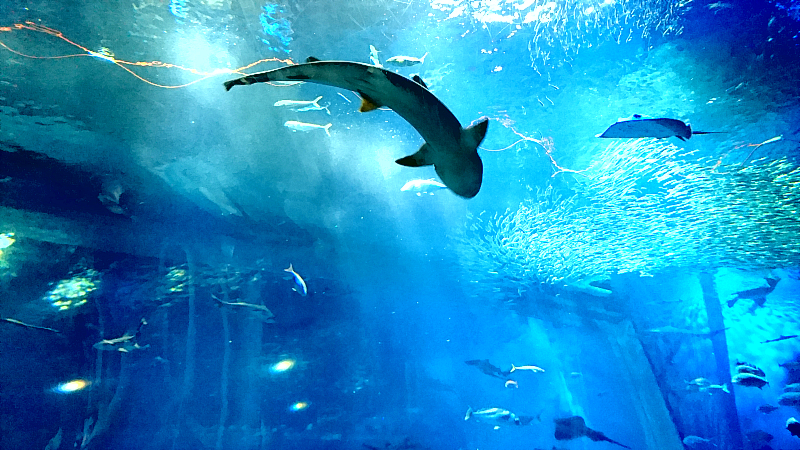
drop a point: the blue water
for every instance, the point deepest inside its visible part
(147, 217)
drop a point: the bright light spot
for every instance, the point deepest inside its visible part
(177, 279)
(299, 406)
(497, 69)
(6, 239)
(200, 54)
(282, 366)
(104, 53)
(71, 386)
(68, 294)
(542, 13)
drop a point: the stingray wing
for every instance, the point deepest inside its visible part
(644, 128)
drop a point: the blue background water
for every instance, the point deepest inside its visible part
(147, 191)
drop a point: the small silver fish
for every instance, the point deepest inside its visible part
(423, 186)
(298, 280)
(704, 385)
(750, 380)
(767, 409)
(493, 415)
(406, 61)
(697, 443)
(303, 105)
(531, 368)
(745, 367)
(716, 6)
(789, 399)
(303, 126)
(297, 103)
(373, 56)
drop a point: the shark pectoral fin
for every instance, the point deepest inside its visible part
(368, 104)
(419, 81)
(419, 159)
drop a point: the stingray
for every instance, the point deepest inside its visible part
(575, 427)
(638, 127)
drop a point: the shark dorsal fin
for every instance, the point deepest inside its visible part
(312, 59)
(368, 104)
(419, 81)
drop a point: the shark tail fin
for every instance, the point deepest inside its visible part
(464, 174)
(461, 170)
(290, 269)
(469, 413)
(472, 136)
(327, 129)
(422, 60)
(725, 388)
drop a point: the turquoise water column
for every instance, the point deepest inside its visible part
(733, 438)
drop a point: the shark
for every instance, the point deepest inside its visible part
(488, 368)
(263, 311)
(575, 427)
(639, 127)
(757, 295)
(124, 343)
(451, 149)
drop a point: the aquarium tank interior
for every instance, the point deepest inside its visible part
(400, 224)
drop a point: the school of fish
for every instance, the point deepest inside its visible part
(692, 213)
